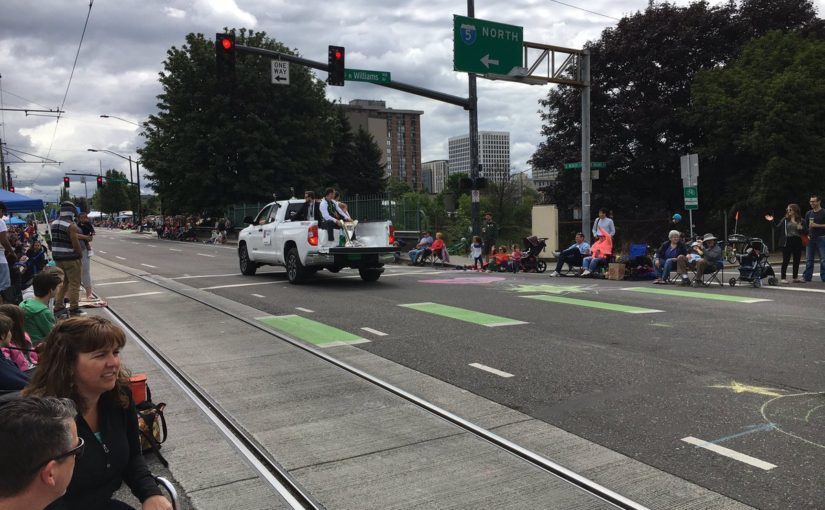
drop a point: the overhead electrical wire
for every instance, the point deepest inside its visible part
(586, 10)
(69, 84)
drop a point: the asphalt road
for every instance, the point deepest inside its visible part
(726, 394)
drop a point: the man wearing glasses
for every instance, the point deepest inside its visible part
(39, 445)
(815, 221)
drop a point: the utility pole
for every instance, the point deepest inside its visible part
(587, 183)
(2, 166)
(140, 207)
(475, 205)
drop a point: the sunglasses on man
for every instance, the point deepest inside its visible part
(77, 451)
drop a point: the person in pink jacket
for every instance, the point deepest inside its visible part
(599, 252)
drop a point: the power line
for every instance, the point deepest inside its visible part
(25, 99)
(586, 10)
(69, 84)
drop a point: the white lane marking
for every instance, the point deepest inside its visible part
(115, 283)
(307, 310)
(237, 285)
(508, 323)
(134, 242)
(119, 257)
(149, 265)
(134, 295)
(205, 255)
(259, 295)
(186, 277)
(491, 370)
(374, 331)
(795, 289)
(174, 249)
(103, 252)
(339, 344)
(151, 246)
(727, 452)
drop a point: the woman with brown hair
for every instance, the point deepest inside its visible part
(790, 228)
(81, 361)
(20, 349)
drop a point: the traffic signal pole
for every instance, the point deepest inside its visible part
(587, 182)
(475, 205)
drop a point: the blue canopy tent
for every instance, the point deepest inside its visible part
(14, 220)
(16, 202)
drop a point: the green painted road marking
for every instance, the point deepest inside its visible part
(311, 331)
(697, 295)
(483, 319)
(593, 304)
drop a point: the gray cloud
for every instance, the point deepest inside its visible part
(127, 40)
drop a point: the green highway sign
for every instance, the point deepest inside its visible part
(367, 76)
(578, 164)
(691, 194)
(486, 47)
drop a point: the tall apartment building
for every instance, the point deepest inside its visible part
(435, 175)
(543, 177)
(397, 133)
(493, 154)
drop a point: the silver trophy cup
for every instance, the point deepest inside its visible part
(349, 232)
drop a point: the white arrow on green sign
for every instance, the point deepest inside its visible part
(367, 76)
(486, 47)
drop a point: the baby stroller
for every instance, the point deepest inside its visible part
(753, 265)
(530, 257)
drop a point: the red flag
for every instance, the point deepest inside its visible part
(737, 215)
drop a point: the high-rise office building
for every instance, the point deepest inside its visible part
(397, 133)
(435, 175)
(493, 154)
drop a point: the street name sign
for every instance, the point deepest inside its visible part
(379, 77)
(486, 47)
(690, 169)
(691, 197)
(280, 72)
(578, 164)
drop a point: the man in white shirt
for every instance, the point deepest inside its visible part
(573, 255)
(331, 213)
(603, 222)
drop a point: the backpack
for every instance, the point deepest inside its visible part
(152, 426)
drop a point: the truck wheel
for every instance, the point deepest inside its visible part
(295, 271)
(247, 266)
(369, 274)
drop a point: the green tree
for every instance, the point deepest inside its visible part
(114, 196)
(396, 187)
(355, 166)
(205, 150)
(761, 119)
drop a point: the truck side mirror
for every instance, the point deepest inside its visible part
(247, 220)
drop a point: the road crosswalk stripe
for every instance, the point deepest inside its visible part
(462, 314)
(727, 452)
(311, 331)
(697, 295)
(601, 305)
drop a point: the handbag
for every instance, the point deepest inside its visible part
(151, 425)
(805, 240)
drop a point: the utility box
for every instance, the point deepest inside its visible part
(546, 224)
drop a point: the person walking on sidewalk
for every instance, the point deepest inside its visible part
(489, 233)
(67, 253)
(815, 221)
(790, 228)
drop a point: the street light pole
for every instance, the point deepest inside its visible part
(139, 204)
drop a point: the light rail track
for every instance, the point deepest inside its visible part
(273, 472)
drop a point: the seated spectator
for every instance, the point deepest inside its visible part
(599, 252)
(502, 259)
(11, 377)
(438, 245)
(672, 252)
(38, 318)
(81, 361)
(573, 255)
(37, 257)
(711, 259)
(40, 445)
(20, 349)
(423, 244)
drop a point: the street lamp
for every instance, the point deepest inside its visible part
(104, 116)
(137, 170)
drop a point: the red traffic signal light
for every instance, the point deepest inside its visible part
(336, 57)
(11, 188)
(225, 59)
(100, 180)
(66, 181)
(227, 43)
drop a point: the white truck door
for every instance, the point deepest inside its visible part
(268, 244)
(254, 242)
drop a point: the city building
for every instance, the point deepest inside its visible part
(493, 154)
(544, 177)
(397, 133)
(435, 175)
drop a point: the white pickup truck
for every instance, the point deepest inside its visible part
(274, 239)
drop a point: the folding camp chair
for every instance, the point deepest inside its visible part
(718, 276)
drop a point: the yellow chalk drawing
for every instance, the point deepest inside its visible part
(746, 388)
(547, 289)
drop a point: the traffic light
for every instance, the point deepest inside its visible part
(225, 58)
(335, 65)
(99, 181)
(11, 188)
(66, 182)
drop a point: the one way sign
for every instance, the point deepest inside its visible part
(280, 72)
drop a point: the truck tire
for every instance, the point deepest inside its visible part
(369, 274)
(248, 267)
(295, 271)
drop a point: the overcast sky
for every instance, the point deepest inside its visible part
(126, 42)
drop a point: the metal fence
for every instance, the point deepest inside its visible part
(405, 214)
